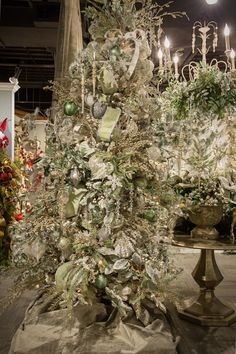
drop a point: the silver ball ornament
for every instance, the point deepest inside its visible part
(98, 109)
(75, 176)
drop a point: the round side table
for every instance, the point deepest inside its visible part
(207, 310)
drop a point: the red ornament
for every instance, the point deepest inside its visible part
(4, 176)
(19, 216)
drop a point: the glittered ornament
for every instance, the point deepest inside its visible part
(74, 176)
(70, 108)
(115, 51)
(99, 109)
(150, 215)
(64, 243)
(101, 281)
(89, 100)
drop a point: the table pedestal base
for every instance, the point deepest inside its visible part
(208, 310)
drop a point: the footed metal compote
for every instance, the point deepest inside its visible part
(205, 217)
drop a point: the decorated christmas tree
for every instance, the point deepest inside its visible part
(9, 184)
(98, 220)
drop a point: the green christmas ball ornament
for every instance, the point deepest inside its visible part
(101, 281)
(97, 214)
(141, 182)
(115, 50)
(150, 215)
(70, 108)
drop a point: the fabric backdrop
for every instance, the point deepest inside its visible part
(69, 37)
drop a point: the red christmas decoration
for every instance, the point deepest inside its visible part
(18, 216)
(4, 141)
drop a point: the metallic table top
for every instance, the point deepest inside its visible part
(190, 242)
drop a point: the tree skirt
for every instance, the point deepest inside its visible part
(91, 330)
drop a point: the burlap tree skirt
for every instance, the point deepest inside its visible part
(91, 330)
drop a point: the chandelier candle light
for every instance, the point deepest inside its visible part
(227, 41)
(232, 57)
(176, 61)
(160, 58)
(167, 50)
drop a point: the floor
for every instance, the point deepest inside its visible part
(194, 339)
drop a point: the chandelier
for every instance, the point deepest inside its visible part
(204, 38)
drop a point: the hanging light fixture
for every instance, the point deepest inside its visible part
(211, 2)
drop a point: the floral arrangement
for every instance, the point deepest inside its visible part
(210, 92)
(196, 137)
(192, 192)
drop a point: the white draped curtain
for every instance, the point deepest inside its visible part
(69, 38)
